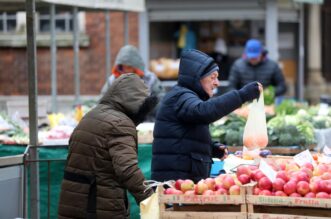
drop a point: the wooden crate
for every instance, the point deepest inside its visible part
(204, 207)
(276, 207)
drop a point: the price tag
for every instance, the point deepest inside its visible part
(304, 157)
(267, 170)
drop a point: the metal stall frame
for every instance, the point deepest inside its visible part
(30, 7)
(29, 160)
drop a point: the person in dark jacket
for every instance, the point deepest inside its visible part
(182, 146)
(256, 66)
(102, 162)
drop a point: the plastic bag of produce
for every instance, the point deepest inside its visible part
(149, 208)
(255, 132)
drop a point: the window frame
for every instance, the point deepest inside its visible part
(4, 18)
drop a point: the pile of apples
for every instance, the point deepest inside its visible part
(225, 184)
(291, 180)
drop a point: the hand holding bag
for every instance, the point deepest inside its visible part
(255, 132)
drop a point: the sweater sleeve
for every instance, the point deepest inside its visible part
(191, 109)
(125, 163)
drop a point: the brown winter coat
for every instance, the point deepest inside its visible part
(103, 155)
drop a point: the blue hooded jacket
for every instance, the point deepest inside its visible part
(182, 146)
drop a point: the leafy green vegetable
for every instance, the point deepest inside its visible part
(269, 95)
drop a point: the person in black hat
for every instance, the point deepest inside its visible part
(182, 146)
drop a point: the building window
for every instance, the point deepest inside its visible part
(7, 22)
(63, 22)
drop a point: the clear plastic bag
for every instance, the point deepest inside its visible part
(255, 132)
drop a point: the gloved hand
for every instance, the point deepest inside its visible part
(219, 150)
(250, 91)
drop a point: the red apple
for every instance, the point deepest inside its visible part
(219, 179)
(253, 167)
(320, 169)
(292, 166)
(308, 165)
(243, 170)
(265, 192)
(326, 176)
(244, 179)
(278, 184)
(314, 186)
(290, 187)
(282, 166)
(221, 191)
(218, 186)
(201, 186)
(282, 174)
(280, 193)
(210, 183)
(308, 171)
(322, 195)
(264, 183)
(302, 176)
(310, 195)
(208, 192)
(178, 184)
(234, 190)
(168, 191)
(187, 185)
(256, 191)
(172, 191)
(303, 188)
(257, 175)
(325, 186)
(228, 181)
(295, 195)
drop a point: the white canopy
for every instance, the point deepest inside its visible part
(118, 5)
(121, 5)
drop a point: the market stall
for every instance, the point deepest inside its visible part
(51, 165)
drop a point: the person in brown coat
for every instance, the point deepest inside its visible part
(102, 161)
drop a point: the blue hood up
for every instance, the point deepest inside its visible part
(192, 66)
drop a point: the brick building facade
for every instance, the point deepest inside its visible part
(13, 61)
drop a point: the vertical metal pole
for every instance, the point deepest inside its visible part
(271, 27)
(53, 59)
(5, 28)
(301, 54)
(144, 36)
(76, 57)
(48, 189)
(33, 97)
(108, 52)
(126, 28)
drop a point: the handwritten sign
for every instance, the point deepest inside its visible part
(267, 170)
(303, 157)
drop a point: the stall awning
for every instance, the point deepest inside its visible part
(197, 10)
(122, 5)
(117, 5)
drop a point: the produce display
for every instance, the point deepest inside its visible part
(291, 180)
(165, 68)
(55, 129)
(292, 125)
(224, 184)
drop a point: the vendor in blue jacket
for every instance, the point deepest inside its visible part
(182, 146)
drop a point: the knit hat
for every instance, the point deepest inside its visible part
(130, 56)
(210, 69)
